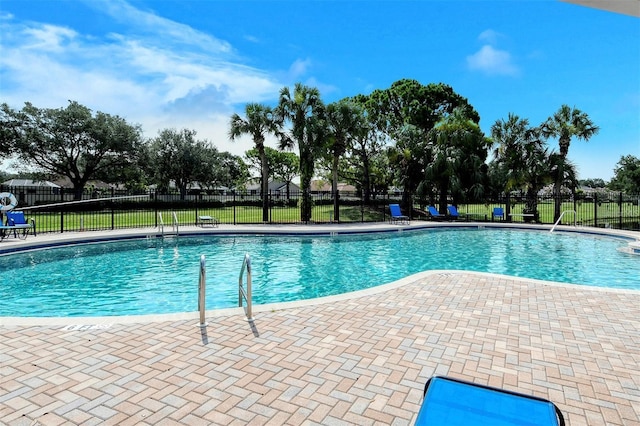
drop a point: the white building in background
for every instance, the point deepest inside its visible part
(30, 192)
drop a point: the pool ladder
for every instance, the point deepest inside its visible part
(244, 295)
(174, 226)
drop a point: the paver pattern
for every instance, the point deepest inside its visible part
(359, 361)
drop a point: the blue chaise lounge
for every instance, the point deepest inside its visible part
(396, 214)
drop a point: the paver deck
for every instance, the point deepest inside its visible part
(361, 359)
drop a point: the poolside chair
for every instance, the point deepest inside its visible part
(17, 223)
(452, 401)
(207, 220)
(497, 212)
(453, 212)
(396, 214)
(433, 212)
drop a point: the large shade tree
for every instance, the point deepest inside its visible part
(71, 142)
(409, 103)
(176, 155)
(259, 121)
(627, 175)
(565, 124)
(226, 169)
(304, 110)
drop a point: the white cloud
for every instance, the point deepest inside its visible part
(49, 37)
(158, 73)
(252, 39)
(299, 68)
(490, 37)
(492, 61)
(157, 27)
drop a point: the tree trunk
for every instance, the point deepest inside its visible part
(442, 205)
(334, 189)
(306, 172)
(557, 192)
(366, 182)
(78, 187)
(265, 185)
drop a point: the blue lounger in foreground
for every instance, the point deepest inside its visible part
(451, 402)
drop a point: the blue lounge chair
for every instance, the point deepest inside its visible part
(17, 223)
(434, 213)
(498, 212)
(453, 401)
(453, 212)
(396, 214)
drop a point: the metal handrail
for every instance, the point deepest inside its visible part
(175, 223)
(242, 293)
(575, 219)
(160, 224)
(202, 287)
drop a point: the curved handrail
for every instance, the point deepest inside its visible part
(242, 293)
(175, 223)
(575, 219)
(202, 287)
(160, 224)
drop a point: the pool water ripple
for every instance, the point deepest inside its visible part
(161, 276)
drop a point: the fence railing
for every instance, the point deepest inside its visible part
(62, 211)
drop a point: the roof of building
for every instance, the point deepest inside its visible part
(30, 183)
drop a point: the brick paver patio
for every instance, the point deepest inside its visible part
(360, 360)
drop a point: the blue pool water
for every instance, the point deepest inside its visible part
(142, 277)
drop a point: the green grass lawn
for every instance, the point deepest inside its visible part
(585, 211)
(55, 222)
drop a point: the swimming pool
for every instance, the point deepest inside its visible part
(137, 277)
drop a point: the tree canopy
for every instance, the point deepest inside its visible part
(175, 155)
(71, 142)
(565, 124)
(627, 175)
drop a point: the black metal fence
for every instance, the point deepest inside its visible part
(60, 210)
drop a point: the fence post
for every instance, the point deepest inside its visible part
(620, 210)
(155, 197)
(61, 211)
(595, 210)
(234, 207)
(508, 207)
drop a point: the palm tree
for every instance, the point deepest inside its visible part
(458, 149)
(259, 121)
(305, 110)
(345, 121)
(565, 124)
(522, 157)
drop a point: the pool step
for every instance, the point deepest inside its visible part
(632, 248)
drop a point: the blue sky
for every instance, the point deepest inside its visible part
(191, 64)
